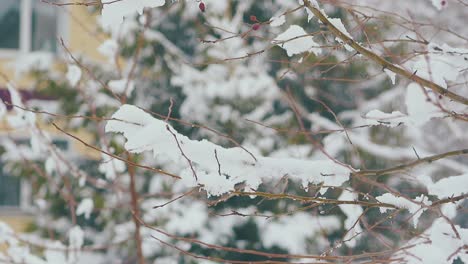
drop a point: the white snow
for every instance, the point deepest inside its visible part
(442, 63)
(73, 74)
(26, 62)
(111, 167)
(277, 21)
(420, 106)
(437, 245)
(122, 86)
(420, 110)
(109, 49)
(377, 117)
(20, 118)
(401, 202)
(353, 213)
(113, 14)
(310, 15)
(391, 75)
(447, 187)
(85, 208)
(217, 173)
(291, 232)
(339, 25)
(296, 41)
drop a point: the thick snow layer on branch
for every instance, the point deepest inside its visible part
(296, 41)
(419, 105)
(217, 169)
(438, 244)
(447, 187)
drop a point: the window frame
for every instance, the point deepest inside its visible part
(26, 28)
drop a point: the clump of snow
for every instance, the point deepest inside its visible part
(114, 12)
(109, 48)
(38, 60)
(447, 187)
(442, 64)
(73, 75)
(419, 105)
(122, 86)
(291, 232)
(400, 202)
(353, 212)
(111, 167)
(296, 41)
(277, 21)
(85, 208)
(20, 118)
(310, 15)
(216, 168)
(76, 241)
(55, 164)
(391, 75)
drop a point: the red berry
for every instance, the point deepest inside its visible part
(443, 3)
(253, 19)
(202, 6)
(256, 26)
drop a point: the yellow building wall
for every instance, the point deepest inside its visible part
(83, 38)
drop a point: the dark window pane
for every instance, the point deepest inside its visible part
(9, 24)
(9, 189)
(44, 27)
(61, 144)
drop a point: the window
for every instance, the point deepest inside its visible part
(14, 192)
(10, 24)
(28, 25)
(10, 187)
